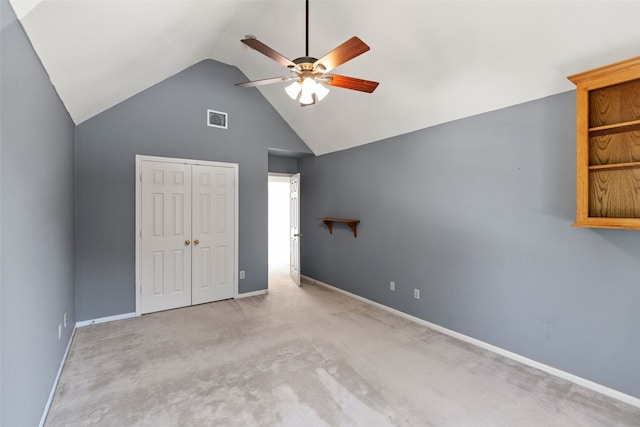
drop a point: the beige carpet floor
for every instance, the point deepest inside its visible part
(305, 356)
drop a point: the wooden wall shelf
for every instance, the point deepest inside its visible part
(352, 223)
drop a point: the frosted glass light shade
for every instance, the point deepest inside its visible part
(308, 89)
(321, 91)
(306, 98)
(293, 90)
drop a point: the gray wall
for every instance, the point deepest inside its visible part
(279, 164)
(37, 234)
(477, 214)
(168, 120)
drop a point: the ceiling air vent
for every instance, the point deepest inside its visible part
(216, 119)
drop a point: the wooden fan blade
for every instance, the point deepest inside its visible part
(352, 83)
(262, 82)
(343, 53)
(266, 50)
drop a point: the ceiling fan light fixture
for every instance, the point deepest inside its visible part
(293, 90)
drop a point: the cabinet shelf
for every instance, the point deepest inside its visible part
(615, 166)
(615, 223)
(352, 223)
(615, 128)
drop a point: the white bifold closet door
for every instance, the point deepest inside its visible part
(187, 234)
(212, 253)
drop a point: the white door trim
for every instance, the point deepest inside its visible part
(139, 159)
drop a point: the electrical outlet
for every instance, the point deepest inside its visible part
(416, 293)
(241, 274)
(392, 286)
(65, 319)
(59, 330)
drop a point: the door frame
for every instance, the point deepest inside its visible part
(236, 217)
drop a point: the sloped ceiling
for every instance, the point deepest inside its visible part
(436, 61)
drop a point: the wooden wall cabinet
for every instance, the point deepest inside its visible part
(608, 146)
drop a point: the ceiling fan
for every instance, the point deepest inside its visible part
(308, 74)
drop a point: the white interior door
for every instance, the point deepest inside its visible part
(294, 269)
(213, 233)
(165, 247)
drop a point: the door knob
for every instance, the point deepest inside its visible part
(195, 242)
(297, 235)
(187, 242)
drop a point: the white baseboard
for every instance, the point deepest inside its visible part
(105, 319)
(56, 379)
(253, 294)
(623, 397)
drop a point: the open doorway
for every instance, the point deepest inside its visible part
(279, 225)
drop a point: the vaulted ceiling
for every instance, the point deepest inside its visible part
(436, 61)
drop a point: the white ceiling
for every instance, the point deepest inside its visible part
(436, 61)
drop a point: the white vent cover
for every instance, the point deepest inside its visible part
(217, 119)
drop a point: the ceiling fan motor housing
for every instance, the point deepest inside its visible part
(305, 63)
